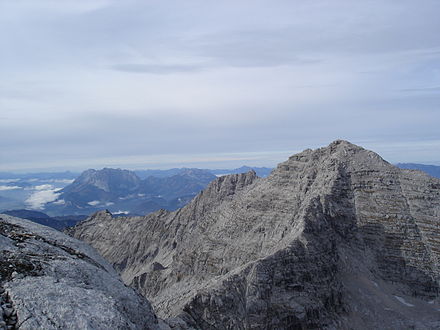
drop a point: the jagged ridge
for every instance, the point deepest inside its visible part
(327, 240)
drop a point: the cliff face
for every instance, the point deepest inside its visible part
(333, 238)
(51, 281)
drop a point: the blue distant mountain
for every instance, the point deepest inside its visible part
(262, 172)
(120, 191)
(58, 223)
(124, 192)
(432, 170)
(39, 175)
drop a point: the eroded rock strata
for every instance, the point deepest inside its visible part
(334, 238)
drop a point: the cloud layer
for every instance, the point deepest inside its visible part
(40, 197)
(170, 83)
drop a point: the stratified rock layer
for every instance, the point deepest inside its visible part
(333, 238)
(51, 281)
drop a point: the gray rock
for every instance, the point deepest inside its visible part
(334, 238)
(8, 312)
(62, 283)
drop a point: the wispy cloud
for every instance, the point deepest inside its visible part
(422, 89)
(155, 69)
(44, 187)
(3, 188)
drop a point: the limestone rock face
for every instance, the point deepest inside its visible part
(49, 280)
(333, 238)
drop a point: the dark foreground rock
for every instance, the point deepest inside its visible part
(51, 281)
(334, 238)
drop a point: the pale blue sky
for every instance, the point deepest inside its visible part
(148, 84)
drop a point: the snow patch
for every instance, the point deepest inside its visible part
(403, 301)
(121, 212)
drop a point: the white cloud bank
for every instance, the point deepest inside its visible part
(38, 199)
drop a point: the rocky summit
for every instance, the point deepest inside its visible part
(334, 238)
(51, 281)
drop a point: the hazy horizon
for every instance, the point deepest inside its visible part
(163, 84)
(217, 163)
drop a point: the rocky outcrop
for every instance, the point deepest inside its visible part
(51, 281)
(333, 238)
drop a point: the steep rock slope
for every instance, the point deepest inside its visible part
(333, 238)
(51, 281)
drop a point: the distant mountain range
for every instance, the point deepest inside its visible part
(261, 172)
(334, 238)
(39, 175)
(60, 222)
(123, 192)
(430, 169)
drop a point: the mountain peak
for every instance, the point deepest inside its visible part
(104, 214)
(317, 244)
(340, 152)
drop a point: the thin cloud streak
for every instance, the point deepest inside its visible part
(155, 69)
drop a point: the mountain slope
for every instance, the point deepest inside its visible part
(333, 238)
(51, 281)
(105, 184)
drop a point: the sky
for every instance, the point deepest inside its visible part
(215, 84)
